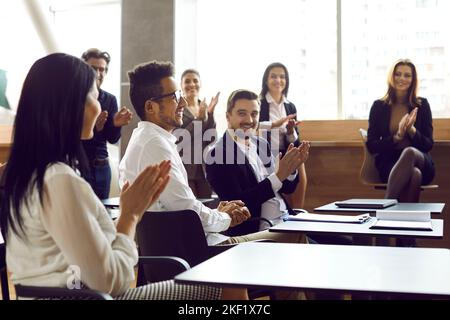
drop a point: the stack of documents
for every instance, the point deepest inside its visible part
(316, 217)
(407, 220)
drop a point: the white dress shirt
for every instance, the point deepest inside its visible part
(70, 236)
(276, 112)
(273, 209)
(151, 144)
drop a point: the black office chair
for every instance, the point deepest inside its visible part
(173, 233)
(166, 263)
(3, 272)
(177, 233)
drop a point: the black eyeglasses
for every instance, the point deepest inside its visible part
(176, 95)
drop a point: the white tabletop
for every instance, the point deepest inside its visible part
(422, 271)
(357, 229)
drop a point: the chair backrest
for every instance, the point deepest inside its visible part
(3, 272)
(368, 174)
(171, 233)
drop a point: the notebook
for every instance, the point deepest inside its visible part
(366, 203)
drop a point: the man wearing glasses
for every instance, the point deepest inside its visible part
(157, 100)
(107, 128)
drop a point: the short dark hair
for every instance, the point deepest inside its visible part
(96, 54)
(145, 83)
(265, 88)
(240, 94)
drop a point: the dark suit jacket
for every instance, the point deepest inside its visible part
(264, 115)
(233, 181)
(380, 140)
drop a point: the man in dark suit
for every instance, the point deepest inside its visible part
(107, 127)
(240, 166)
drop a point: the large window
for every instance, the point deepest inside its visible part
(338, 52)
(76, 25)
(375, 33)
(20, 46)
(232, 42)
(84, 24)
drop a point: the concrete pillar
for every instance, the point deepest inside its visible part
(147, 34)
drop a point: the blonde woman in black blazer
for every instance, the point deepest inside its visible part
(400, 135)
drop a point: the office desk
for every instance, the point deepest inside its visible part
(348, 269)
(434, 208)
(357, 229)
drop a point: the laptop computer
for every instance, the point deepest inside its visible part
(366, 203)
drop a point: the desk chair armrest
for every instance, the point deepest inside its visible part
(269, 222)
(263, 240)
(59, 293)
(215, 250)
(298, 210)
(176, 264)
(159, 268)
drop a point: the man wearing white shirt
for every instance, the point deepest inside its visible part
(158, 102)
(240, 166)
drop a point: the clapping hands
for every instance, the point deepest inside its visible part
(292, 123)
(236, 209)
(406, 125)
(121, 118)
(290, 119)
(294, 157)
(206, 109)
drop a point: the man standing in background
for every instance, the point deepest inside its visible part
(107, 128)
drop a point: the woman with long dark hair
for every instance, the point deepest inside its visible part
(278, 116)
(53, 224)
(400, 134)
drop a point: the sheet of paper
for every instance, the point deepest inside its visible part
(329, 218)
(407, 225)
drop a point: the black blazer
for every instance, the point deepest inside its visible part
(233, 181)
(379, 138)
(264, 115)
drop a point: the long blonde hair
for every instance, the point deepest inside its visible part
(390, 97)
